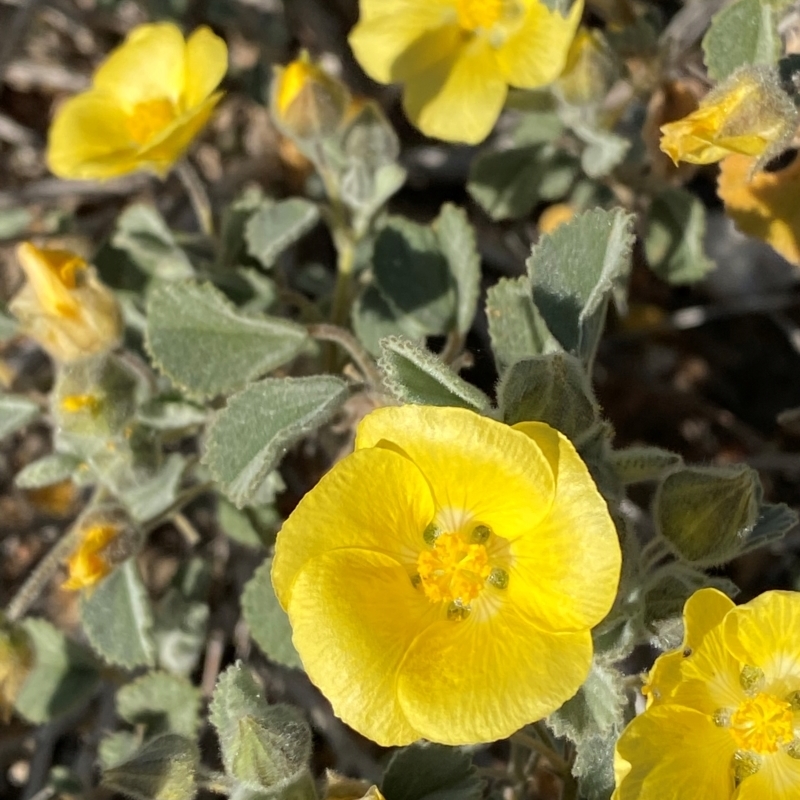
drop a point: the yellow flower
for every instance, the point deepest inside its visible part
(90, 562)
(442, 580)
(723, 716)
(457, 58)
(306, 101)
(148, 100)
(765, 205)
(63, 306)
(749, 114)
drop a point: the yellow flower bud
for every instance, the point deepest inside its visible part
(63, 306)
(555, 215)
(748, 113)
(16, 661)
(305, 101)
(148, 100)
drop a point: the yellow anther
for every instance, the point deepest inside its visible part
(483, 15)
(453, 570)
(762, 724)
(73, 403)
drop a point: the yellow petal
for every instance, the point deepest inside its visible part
(354, 614)
(459, 98)
(41, 268)
(536, 53)
(481, 679)
(388, 28)
(766, 206)
(566, 569)
(702, 614)
(149, 64)
(477, 468)
(206, 64)
(778, 779)
(674, 753)
(764, 633)
(163, 151)
(374, 499)
(90, 139)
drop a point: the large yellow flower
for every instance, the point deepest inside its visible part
(443, 579)
(749, 114)
(148, 100)
(457, 58)
(723, 719)
(63, 306)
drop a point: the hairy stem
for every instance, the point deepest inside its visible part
(197, 194)
(361, 358)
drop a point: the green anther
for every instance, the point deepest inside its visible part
(722, 717)
(793, 749)
(480, 534)
(498, 578)
(745, 764)
(793, 699)
(751, 679)
(416, 580)
(457, 611)
(431, 534)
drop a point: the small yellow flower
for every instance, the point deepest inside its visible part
(442, 580)
(765, 205)
(63, 306)
(749, 114)
(457, 58)
(723, 715)
(89, 564)
(148, 101)
(306, 101)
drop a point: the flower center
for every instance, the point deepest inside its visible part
(484, 15)
(453, 570)
(149, 118)
(762, 724)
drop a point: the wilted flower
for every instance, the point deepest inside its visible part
(148, 100)
(90, 562)
(443, 579)
(748, 113)
(763, 204)
(723, 716)
(457, 58)
(63, 306)
(307, 102)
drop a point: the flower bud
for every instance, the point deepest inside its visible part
(748, 113)
(16, 661)
(64, 306)
(105, 540)
(340, 787)
(306, 102)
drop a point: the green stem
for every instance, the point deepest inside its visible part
(346, 249)
(197, 194)
(531, 743)
(346, 340)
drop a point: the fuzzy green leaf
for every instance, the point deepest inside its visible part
(707, 513)
(274, 227)
(46, 471)
(374, 319)
(118, 619)
(576, 270)
(144, 236)
(516, 327)
(162, 769)
(640, 464)
(117, 747)
(415, 375)
(199, 340)
(162, 703)
(268, 622)
(425, 771)
(457, 242)
(508, 184)
(15, 413)
(263, 746)
(153, 496)
(744, 32)
(248, 437)
(553, 389)
(64, 674)
(676, 228)
(413, 276)
(251, 527)
(171, 414)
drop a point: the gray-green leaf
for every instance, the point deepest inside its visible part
(274, 227)
(268, 622)
(15, 413)
(431, 772)
(162, 703)
(46, 471)
(201, 342)
(248, 437)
